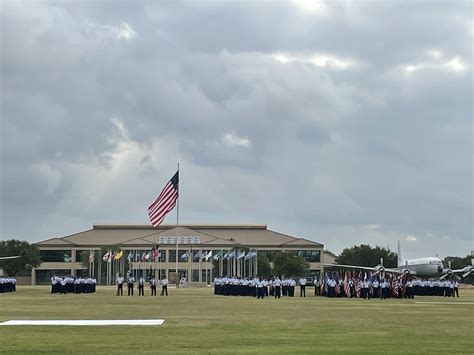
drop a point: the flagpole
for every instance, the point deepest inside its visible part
(177, 225)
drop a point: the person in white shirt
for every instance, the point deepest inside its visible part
(456, 288)
(141, 286)
(164, 286)
(153, 286)
(130, 282)
(303, 287)
(277, 286)
(120, 285)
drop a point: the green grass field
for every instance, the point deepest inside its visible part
(196, 321)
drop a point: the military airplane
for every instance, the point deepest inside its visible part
(422, 267)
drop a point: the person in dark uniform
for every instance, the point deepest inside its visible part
(303, 287)
(164, 286)
(130, 282)
(153, 286)
(120, 285)
(141, 286)
(277, 285)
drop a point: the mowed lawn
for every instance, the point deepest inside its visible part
(196, 321)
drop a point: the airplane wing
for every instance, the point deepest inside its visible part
(351, 267)
(9, 257)
(367, 268)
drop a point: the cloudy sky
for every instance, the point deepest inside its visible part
(341, 122)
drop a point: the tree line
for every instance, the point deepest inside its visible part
(269, 262)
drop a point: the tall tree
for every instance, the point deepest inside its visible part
(289, 264)
(365, 255)
(264, 268)
(457, 262)
(29, 256)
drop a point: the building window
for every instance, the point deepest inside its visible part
(195, 277)
(162, 256)
(311, 256)
(203, 275)
(55, 256)
(172, 256)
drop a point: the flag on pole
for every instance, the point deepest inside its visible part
(209, 255)
(165, 201)
(146, 256)
(184, 256)
(155, 253)
(119, 255)
(347, 287)
(218, 255)
(106, 256)
(130, 256)
(91, 257)
(110, 256)
(241, 255)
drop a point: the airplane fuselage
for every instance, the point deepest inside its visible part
(423, 267)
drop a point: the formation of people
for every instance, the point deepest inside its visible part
(7, 284)
(68, 284)
(258, 287)
(130, 283)
(367, 288)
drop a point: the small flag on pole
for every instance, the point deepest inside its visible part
(165, 201)
(91, 257)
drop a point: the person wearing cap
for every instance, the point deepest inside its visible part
(141, 286)
(130, 283)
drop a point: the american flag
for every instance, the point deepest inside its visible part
(394, 287)
(347, 287)
(91, 257)
(358, 287)
(165, 201)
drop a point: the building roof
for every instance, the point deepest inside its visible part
(209, 235)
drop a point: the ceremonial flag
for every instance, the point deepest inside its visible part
(337, 288)
(106, 256)
(67, 258)
(347, 287)
(155, 253)
(146, 256)
(91, 257)
(394, 286)
(358, 286)
(130, 256)
(208, 255)
(241, 255)
(119, 255)
(184, 256)
(165, 201)
(109, 256)
(218, 255)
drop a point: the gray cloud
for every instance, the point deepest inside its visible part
(319, 121)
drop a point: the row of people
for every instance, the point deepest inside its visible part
(68, 284)
(7, 284)
(258, 287)
(152, 281)
(332, 287)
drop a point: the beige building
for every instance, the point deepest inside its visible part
(69, 255)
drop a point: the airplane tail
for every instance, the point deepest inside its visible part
(401, 261)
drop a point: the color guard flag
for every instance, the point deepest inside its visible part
(165, 201)
(91, 257)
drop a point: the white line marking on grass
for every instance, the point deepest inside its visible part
(444, 303)
(86, 322)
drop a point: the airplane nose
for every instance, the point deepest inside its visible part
(440, 269)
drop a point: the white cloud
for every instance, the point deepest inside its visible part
(231, 139)
(122, 31)
(322, 60)
(437, 62)
(312, 7)
(372, 226)
(410, 237)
